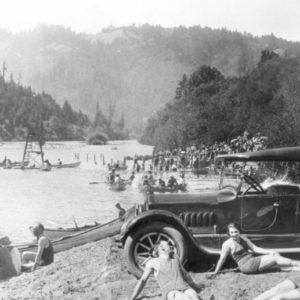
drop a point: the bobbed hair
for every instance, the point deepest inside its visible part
(233, 225)
(37, 229)
(155, 250)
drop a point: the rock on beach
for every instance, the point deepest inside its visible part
(98, 271)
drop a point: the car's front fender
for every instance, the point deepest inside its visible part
(167, 217)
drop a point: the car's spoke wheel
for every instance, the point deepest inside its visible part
(143, 248)
(139, 244)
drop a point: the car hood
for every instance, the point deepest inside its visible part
(212, 198)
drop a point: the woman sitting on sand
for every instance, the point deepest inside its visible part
(44, 254)
(243, 252)
(169, 273)
(286, 290)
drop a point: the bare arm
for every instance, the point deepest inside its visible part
(255, 249)
(224, 254)
(189, 279)
(141, 283)
(41, 246)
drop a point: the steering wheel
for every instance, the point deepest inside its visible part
(252, 184)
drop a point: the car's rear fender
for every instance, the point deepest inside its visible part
(166, 217)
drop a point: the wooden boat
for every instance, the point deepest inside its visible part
(32, 168)
(56, 233)
(161, 189)
(166, 189)
(69, 165)
(92, 234)
(11, 165)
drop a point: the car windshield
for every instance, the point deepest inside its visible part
(264, 173)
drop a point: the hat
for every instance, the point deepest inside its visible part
(4, 241)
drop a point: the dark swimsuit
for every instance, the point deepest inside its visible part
(247, 262)
(170, 277)
(47, 255)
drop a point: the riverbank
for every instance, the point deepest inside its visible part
(97, 271)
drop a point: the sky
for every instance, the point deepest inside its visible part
(258, 17)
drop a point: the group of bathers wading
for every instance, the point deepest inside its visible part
(176, 284)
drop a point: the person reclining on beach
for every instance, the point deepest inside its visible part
(171, 277)
(243, 253)
(44, 255)
(286, 290)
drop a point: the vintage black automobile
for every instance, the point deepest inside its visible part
(196, 222)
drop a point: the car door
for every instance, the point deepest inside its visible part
(271, 221)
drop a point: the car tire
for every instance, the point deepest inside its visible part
(139, 240)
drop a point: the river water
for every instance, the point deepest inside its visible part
(59, 197)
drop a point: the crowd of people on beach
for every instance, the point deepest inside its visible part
(202, 156)
(196, 159)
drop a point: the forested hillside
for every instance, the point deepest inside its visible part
(210, 106)
(134, 69)
(22, 111)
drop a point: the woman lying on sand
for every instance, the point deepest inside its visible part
(44, 254)
(286, 290)
(169, 273)
(238, 246)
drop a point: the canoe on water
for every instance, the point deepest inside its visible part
(9, 166)
(43, 168)
(72, 240)
(69, 165)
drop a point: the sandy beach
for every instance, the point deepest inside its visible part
(98, 271)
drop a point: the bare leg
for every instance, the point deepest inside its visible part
(280, 288)
(291, 295)
(176, 295)
(192, 293)
(269, 261)
(28, 257)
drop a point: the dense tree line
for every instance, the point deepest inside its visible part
(22, 111)
(209, 107)
(135, 67)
